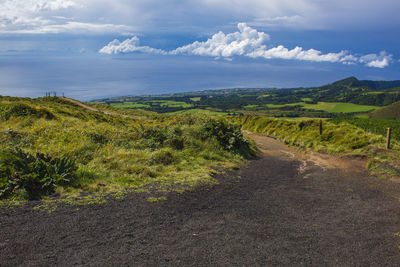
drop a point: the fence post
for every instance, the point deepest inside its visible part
(388, 138)
(320, 127)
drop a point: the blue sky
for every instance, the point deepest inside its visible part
(91, 49)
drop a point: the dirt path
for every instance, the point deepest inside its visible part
(281, 209)
(73, 101)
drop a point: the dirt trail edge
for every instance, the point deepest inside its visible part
(282, 209)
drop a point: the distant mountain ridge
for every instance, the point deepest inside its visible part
(344, 84)
(348, 90)
(374, 85)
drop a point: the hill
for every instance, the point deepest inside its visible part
(54, 145)
(389, 112)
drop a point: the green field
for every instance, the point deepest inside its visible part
(335, 107)
(198, 111)
(251, 106)
(130, 105)
(195, 99)
(148, 104)
(171, 104)
(339, 107)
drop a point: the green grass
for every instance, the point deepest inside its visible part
(376, 126)
(195, 99)
(251, 106)
(273, 106)
(388, 112)
(199, 112)
(329, 107)
(171, 103)
(130, 105)
(147, 104)
(338, 137)
(126, 149)
(340, 107)
(262, 96)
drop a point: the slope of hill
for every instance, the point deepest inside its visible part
(50, 145)
(389, 112)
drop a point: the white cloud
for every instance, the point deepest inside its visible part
(202, 15)
(46, 16)
(75, 28)
(225, 46)
(377, 61)
(129, 46)
(248, 42)
(297, 53)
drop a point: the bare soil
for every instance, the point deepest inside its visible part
(284, 208)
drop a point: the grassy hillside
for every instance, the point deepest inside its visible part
(389, 112)
(50, 145)
(325, 106)
(376, 126)
(341, 138)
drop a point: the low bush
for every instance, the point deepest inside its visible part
(23, 110)
(229, 136)
(32, 176)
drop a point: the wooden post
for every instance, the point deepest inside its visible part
(320, 127)
(388, 138)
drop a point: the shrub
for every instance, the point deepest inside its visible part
(154, 136)
(229, 136)
(174, 138)
(23, 110)
(32, 176)
(164, 156)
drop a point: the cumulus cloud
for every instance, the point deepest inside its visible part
(377, 61)
(129, 46)
(227, 45)
(251, 43)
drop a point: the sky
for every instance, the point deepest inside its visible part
(91, 49)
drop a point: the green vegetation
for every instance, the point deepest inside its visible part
(376, 126)
(28, 176)
(50, 145)
(389, 112)
(305, 133)
(340, 137)
(199, 111)
(130, 105)
(327, 106)
(348, 96)
(339, 107)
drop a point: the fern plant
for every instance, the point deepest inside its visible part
(32, 176)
